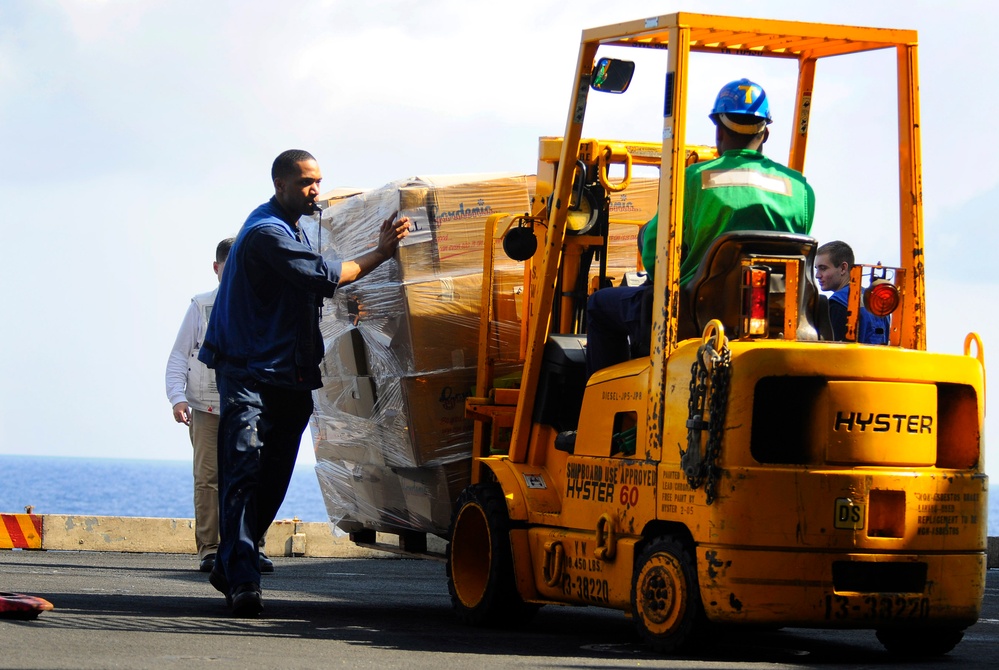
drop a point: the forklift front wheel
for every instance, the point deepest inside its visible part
(664, 595)
(480, 562)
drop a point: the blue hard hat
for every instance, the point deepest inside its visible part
(742, 97)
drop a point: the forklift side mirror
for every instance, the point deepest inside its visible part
(611, 75)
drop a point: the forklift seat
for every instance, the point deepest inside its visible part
(715, 290)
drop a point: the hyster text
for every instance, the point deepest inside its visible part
(883, 423)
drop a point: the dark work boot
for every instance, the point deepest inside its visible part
(246, 601)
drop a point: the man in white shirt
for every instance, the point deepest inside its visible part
(190, 386)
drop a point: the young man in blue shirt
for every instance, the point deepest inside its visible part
(833, 261)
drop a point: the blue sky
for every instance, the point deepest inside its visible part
(136, 134)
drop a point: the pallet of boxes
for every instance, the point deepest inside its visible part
(393, 445)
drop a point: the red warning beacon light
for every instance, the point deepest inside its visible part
(882, 297)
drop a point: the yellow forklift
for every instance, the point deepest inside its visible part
(742, 468)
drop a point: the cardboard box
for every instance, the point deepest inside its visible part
(508, 313)
(378, 494)
(638, 203)
(390, 499)
(342, 422)
(428, 501)
(442, 323)
(417, 252)
(629, 210)
(349, 225)
(622, 246)
(345, 355)
(433, 416)
(417, 420)
(393, 446)
(430, 493)
(508, 295)
(421, 327)
(459, 207)
(336, 485)
(363, 493)
(350, 395)
(339, 449)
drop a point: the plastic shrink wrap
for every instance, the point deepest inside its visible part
(393, 445)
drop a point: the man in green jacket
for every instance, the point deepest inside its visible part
(740, 190)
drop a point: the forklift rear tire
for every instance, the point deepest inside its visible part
(664, 596)
(480, 574)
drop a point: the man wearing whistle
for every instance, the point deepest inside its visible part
(264, 343)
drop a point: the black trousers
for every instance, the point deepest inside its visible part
(259, 433)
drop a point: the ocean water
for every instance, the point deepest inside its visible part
(127, 487)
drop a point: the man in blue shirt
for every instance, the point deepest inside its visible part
(264, 343)
(833, 261)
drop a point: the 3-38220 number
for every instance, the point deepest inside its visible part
(880, 608)
(587, 588)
